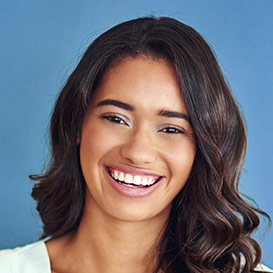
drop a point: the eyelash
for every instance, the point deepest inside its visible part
(114, 119)
(170, 129)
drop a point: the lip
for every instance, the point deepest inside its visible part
(133, 192)
(133, 171)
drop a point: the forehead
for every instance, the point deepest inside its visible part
(142, 81)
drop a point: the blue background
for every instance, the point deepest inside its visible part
(40, 44)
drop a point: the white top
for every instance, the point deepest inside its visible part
(33, 258)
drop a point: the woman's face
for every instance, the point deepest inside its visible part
(137, 146)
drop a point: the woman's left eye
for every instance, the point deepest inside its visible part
(172, 130)
(114, 119)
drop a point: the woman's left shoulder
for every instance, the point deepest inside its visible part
(262, 269)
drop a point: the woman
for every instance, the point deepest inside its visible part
(147, 147)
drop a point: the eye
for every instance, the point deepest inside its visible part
(172, 130)
(114, 119)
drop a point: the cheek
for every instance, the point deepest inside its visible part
(95, 143)
(180, 157)
(93, 147)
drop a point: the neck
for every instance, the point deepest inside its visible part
(105, 244)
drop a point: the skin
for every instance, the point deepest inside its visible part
(119, 233)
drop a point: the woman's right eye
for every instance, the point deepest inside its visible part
(114, 119)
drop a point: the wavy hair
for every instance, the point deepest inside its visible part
(209, 228)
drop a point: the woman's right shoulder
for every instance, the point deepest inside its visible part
(32, 258)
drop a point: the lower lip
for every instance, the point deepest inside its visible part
(134, 192)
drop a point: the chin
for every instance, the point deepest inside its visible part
(139, 214)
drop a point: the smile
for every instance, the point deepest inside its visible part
(131, 180)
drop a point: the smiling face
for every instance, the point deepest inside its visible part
(137, 145)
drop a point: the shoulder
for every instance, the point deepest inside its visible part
(262, 269)
(32, 258)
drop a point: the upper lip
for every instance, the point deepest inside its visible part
(133, 170)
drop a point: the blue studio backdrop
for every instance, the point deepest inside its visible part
(42, 41)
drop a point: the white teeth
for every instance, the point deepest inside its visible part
(144, 181)
(121, 176)
(137, 180)
(128, 178)
(130, 185)
(116, 174)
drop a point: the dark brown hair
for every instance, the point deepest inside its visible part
(210, 225)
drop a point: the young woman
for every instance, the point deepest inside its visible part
(147, 147)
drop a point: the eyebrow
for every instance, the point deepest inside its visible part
(117, 103)
(126, 106)
(171, 114)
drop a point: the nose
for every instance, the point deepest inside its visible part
(139, 148)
